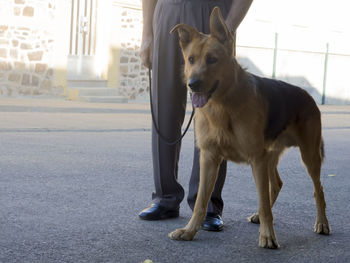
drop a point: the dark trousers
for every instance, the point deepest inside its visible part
(169, 95)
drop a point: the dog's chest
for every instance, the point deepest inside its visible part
(222, 137)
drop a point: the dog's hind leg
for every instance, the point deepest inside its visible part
(209, 168)
(275, 184)
(311, 149)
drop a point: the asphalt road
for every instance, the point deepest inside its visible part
(73, 177)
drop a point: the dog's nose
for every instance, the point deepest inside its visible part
(195, 84)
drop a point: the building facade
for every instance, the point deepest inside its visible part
(79, 49)
(49, 47)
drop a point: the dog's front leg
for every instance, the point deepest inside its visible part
(209, 166)
(267, 237)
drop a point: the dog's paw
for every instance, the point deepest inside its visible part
(181, 234)
(268, 241)
(254, 218)
(322, 228)
(267, 237)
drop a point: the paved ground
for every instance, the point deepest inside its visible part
(73, 177)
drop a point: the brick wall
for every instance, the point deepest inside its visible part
(133, 76)
(26, 47)
(27, 38)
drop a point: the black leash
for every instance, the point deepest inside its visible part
(154, 122)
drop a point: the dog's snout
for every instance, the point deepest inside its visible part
(195, 84)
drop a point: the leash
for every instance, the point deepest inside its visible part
(153, 119)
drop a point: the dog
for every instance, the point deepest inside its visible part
(246, 119)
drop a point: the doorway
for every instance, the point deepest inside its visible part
(82, 46)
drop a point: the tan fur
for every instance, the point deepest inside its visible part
(231, 127)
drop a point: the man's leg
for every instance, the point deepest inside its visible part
(216, 203)
(169, 103)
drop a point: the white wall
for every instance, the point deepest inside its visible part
(304, 28)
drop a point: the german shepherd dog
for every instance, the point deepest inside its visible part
(246, 119)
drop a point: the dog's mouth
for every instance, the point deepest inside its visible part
(199, 99)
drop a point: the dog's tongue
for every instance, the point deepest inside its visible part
(199, 99)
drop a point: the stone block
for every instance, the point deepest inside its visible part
(15, 77)
(15, 42)
(5, 65)
(35, 56)
(26, 80)
(35, 81)
(123, 69)
(4, 42)
(36, 91)
(26, 46)
(14, 53)
(3, 52)
(46, 84)
(28, 11)
(17, 11)
(4, 90)
(40, 68)
(124, 60)
(25, 91)
(19, 65)
(3, 27)
(3, 76)
(19, 2)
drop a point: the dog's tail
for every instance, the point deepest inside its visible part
(322, 153)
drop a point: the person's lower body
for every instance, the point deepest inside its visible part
(169, 96)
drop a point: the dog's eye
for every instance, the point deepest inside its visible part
(191, 60)
(211, 60)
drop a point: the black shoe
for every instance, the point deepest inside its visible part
(158, 212)
(213, 222)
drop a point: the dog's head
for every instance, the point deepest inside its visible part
(207, 58)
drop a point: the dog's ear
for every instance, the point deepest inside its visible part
(186, 34)
(218, 27)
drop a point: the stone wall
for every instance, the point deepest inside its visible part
(133, 77)
(26, 47)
